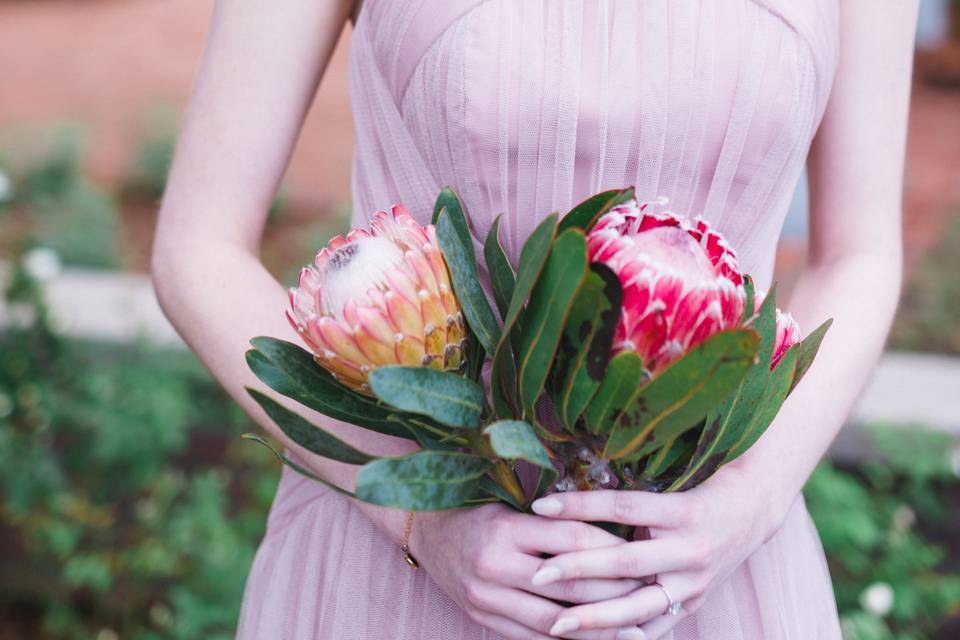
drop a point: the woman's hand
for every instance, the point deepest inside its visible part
(485, 559)
(696, 539)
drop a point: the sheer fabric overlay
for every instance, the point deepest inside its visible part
(527, 107)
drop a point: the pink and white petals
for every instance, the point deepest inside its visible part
(379, 296)
(788, 334)
(680, 280)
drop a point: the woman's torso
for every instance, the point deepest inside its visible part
(529, 106)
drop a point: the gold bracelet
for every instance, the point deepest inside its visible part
(405, 544)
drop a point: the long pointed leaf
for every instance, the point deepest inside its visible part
(292, 372)
(308, 435)
(776, 393)
(809, 347)
(422, 481)
(728, 422)
(585, 215)
(502, 277)
(462, 265)
(683, 393)
(306, 473)
(448, 398)
(623, 377)
(547, 313)
(533, 256)
(585, 344)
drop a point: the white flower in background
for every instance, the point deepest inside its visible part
(904, 517)
(877, 599)
(6, 187)
(42, 264)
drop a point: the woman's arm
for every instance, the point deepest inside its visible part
(258, 75)
(854, 266)
(853, 275)
(257, 78)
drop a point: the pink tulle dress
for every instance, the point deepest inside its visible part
(527, 107)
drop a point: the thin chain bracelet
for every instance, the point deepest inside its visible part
(405, 545)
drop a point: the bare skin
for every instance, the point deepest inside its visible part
(260, 70)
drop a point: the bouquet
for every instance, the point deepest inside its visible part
(626, 351)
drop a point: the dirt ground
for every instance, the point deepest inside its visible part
(108, 63)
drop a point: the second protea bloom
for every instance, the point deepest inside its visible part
(681, 283)
(379, 297)
(788, 332)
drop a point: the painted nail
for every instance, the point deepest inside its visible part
(546, 576)
(565, 625)
(547, 506)
(631, 633)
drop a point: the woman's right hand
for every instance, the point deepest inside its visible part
(485, 558)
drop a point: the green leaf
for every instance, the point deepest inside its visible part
(671, 451)
(448, 398)
(533, 256)
(585, 343)
(585, 215)
(502, 277)
(774, 395)
(308, 435)
(728, 422)
(293, 465)
(462, 264)
(682, 394)
(516, 440)
(422, 481)
(751, 299)
(292, 372)
(809, 347)
(448, 200)
(547, 313)
(623, 377)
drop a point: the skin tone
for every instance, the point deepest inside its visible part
(259, 72)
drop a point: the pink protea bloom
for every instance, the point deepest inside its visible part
(681, 283)
(788, 334)
(379, 297)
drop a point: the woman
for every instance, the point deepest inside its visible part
(526, 107)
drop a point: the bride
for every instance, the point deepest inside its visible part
(526, 107)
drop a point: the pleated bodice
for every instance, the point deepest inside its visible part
(529, 106)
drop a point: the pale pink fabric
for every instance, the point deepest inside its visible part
(527, 107)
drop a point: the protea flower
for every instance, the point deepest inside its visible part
(788, 332)
(681, 283)
(379, 297)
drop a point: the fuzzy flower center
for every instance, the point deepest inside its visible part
(678, 249)
(354, 269)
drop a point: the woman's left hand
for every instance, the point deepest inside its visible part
(696, 539)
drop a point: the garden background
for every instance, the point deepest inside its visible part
(129, 506)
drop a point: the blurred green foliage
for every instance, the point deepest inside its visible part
(130, 508)
(877, 524)
(928, 318)
(68, 212)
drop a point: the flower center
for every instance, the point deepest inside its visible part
(676, 248)
(354, 269)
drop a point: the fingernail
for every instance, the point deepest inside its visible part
(565, 625)
(547, 506)
(546, 576)
(631, 633)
